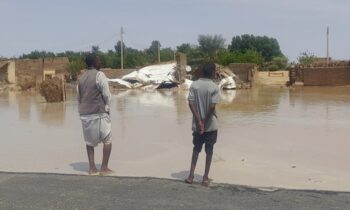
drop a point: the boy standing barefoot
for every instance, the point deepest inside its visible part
(202, 98)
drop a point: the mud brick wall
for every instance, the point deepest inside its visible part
(244, 71)
(3, 70)
(326, 76)
(116, 73)
(29, 67)
(181, 63)
(35, 67)
(3, 73)
(60, 64)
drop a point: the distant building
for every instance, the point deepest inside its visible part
(11, 70)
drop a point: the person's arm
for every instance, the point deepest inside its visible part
(78, 93)
(195, 113)
(210, 113)
(213, 101)
(199, 121)
(102, 84)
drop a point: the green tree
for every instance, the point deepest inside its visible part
(210, 45)
(75, 66)
(135, 58)
(281, 61)
(118, 47)
(268, 47)
(184, 48)
(95, 49)
(152, 51)
(109, 59)
(226, 57)
(306, 58)
(167, 54)
(194, 55)
(38, 54)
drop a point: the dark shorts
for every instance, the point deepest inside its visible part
(207, 138)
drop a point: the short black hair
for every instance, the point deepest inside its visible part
(207, 70)
(90, 59)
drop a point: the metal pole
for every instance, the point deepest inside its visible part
(327, 45)
(121, 49)
(158, 52)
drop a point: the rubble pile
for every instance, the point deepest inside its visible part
(2, 86)
(26, 82)
(52, 90)
(155, 77)
(164, 76)
(225, 78)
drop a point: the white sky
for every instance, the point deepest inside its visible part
(53, 25)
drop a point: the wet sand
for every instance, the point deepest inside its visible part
(268, 137)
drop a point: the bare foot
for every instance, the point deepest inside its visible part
(93, 171)
(206, 181)
(106, 171)
(189, 180)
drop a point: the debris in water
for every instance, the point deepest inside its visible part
(52, 90)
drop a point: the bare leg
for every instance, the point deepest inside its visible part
(193, 167)
(91, 157)
(207, 168)
(107, 148)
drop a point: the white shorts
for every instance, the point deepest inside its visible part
(96, 129)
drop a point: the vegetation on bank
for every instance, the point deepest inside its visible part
(261, 50)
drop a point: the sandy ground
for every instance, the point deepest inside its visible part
(268, 137)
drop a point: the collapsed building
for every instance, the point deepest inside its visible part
(35, 71)
(244, 71)
(174, 74)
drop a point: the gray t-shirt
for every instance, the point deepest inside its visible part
(203, 93)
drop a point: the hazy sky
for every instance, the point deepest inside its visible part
(59, 25)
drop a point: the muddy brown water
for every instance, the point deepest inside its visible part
(268, 136)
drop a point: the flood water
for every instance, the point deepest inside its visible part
(268, 136)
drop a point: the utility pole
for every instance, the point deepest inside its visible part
(327, 45)
(121, 48)
(158, 52)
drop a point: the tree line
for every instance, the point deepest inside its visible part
(261, 50)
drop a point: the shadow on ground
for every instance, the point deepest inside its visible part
(182, 175)
(82, 166)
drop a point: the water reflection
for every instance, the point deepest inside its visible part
(227, 96)
(254, 101)
(32, 106)
(52, 114)
(259, 104)
(4, 99)
(327, 105)
(24, 101)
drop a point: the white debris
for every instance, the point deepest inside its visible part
(188, 83)
(121, 82)
(227, 96)
(156, 75)
(163, 76)
(227, 83)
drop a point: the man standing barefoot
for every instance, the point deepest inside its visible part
(94, 103)
(202, 98)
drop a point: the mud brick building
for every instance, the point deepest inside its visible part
(244, 71)
(321, 76)
(11, 70)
